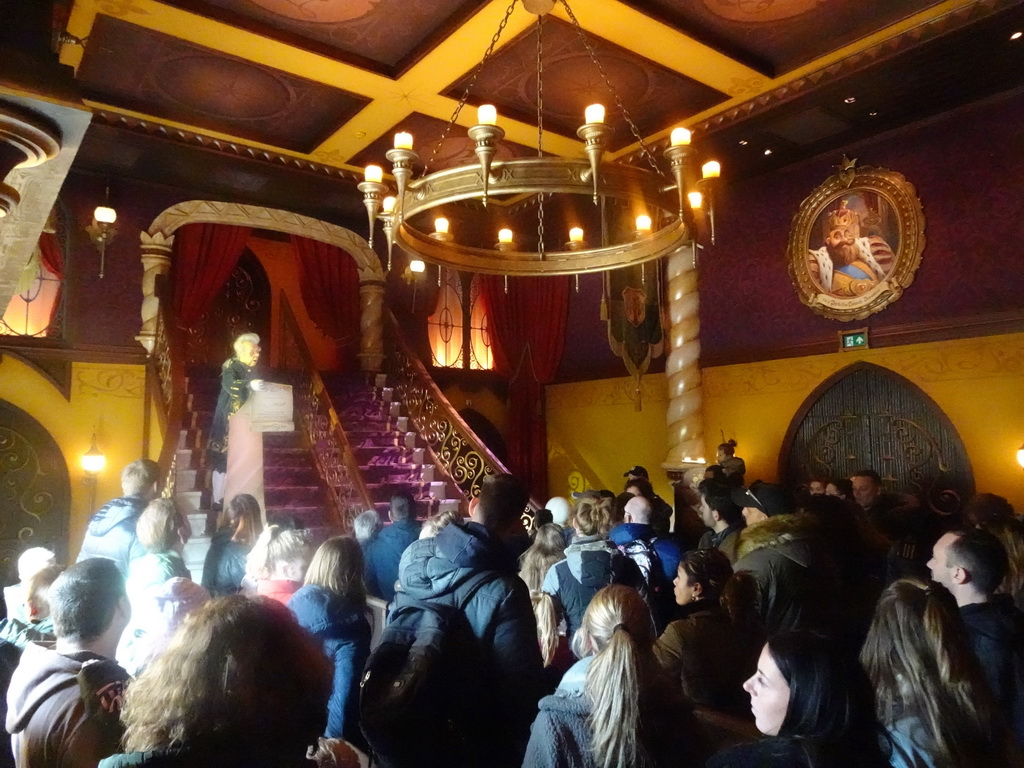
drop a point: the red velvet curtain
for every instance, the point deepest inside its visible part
(330, 291)
(527, 327)
(205, 255)
(53, 259)
(49, 250)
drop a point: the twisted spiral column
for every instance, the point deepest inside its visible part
(371, 325)
(685, 410)
(156, 261)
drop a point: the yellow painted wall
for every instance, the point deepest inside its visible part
(105, 398)
(595, 434)
(979, 383)
(482, 400)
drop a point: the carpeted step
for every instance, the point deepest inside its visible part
(275, 475)
(293, 495)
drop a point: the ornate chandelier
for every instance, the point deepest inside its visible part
(640, 213)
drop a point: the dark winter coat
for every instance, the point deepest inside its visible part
(500, 615)
(591, 563)
(996, 632)
(796, 580)
(766, 753)
(111, 532)
(224, 568)
(711, 657)
(561, 735)
(383, 555)
(341, 625)
(235, 378)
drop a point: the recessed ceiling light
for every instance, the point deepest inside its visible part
(767, 151)
(850, 99)
(743, 142)
(1016, 35)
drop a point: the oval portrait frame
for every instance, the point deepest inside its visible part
(894, 270)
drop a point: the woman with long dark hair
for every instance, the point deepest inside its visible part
(929, 690)
(814, 703)
(239, 524)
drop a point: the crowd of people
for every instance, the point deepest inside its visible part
(754, 626)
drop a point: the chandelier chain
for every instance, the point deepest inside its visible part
(540, 130)
(469, 86)
(645, 150)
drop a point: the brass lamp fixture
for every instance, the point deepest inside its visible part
(657, 199)
(93, 462)
(103, 228)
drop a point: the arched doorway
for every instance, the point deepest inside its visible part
(868, 416)
(35, 493)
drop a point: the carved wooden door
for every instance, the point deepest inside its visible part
(242, 305)
(35, 494)
(869, 417)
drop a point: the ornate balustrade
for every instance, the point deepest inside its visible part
(321, 428)
(168, 390)
(455, 446)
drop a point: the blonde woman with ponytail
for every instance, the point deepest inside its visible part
(614, 707)
(929, 691)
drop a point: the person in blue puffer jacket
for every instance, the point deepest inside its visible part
(331, 605)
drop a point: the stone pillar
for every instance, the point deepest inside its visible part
(156, 261)
(685, 410)
(371, 325)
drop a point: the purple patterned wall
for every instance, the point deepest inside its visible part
(106, 312)
(968, 169)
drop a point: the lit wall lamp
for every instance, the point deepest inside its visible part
(93, 462)
(103, 228)
(1020, 456)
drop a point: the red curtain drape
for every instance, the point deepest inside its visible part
(205, 255)
(52, 257)
(330, 291)
(527, 327)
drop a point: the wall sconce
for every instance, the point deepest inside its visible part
(93, 462)
(1020, 456)
(103, 229)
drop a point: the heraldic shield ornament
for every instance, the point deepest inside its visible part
(856, 242)
(635, 328)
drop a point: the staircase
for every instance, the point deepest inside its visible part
(392, 457)
(292, 487)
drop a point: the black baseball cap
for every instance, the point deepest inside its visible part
(770, 498)
(636, 471)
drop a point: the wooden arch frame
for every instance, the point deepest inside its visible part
(842, 373)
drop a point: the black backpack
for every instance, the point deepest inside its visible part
(658, 591)
(419, 700)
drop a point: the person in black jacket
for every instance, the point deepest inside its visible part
(971, 565)
(238, 526)
(384, 553)
(111, 531)
(446, 569)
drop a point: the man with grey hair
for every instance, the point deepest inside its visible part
(236, 381)
(111, 531)
(385, 553)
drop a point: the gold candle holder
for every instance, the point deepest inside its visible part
(595, 137)
(402, 161)
(486, 136)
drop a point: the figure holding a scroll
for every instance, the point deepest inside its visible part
(236, 381)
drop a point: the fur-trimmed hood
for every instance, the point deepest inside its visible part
(778, 531)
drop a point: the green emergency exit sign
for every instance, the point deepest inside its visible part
(853, 339)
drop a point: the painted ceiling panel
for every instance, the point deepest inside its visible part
(134, 68)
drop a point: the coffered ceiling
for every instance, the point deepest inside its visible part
(317, 87)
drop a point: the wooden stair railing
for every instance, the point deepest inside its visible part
(458, 450)
(318, 421)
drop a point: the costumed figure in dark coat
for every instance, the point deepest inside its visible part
(236, 380)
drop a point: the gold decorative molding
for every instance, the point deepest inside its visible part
(967, 359)
(105, 380)
(607, 392)
(210, 212)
